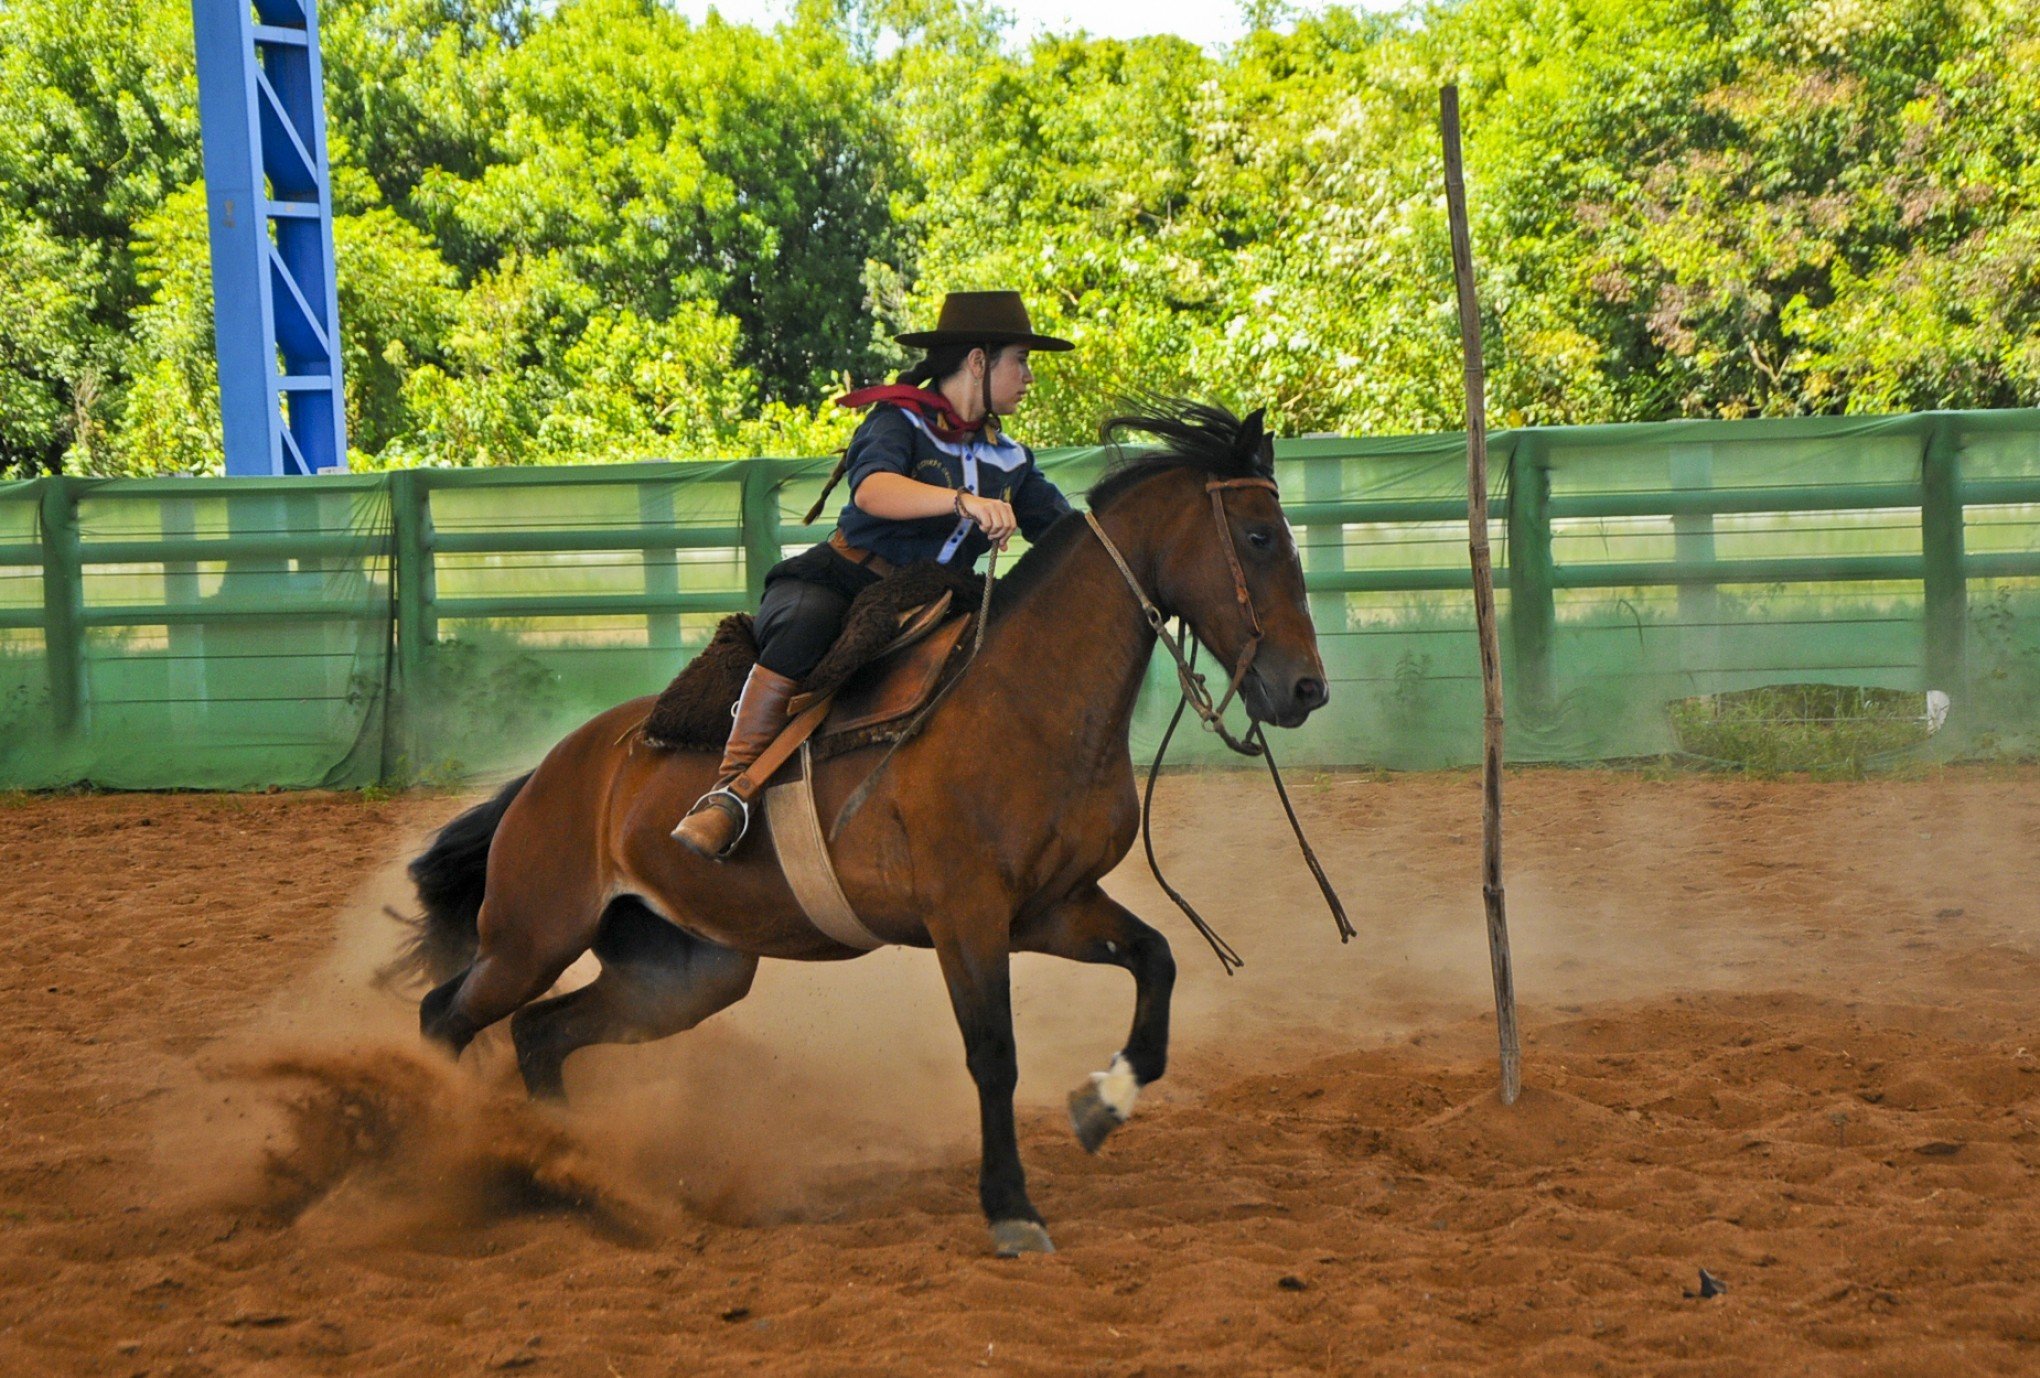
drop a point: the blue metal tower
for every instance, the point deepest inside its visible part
(276, 315)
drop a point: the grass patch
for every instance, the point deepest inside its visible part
(1821, 729)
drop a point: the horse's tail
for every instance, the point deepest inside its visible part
(449, 876)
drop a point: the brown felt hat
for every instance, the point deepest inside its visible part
(982, 318)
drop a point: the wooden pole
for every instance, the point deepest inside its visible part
(1483, 605)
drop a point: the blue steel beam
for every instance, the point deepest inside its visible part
(276, 312)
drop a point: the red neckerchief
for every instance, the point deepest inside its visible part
(931, 407)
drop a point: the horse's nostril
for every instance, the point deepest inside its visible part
(1311, 693)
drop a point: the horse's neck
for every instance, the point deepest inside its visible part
(1076, 644)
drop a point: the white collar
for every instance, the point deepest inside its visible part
(1002, 454)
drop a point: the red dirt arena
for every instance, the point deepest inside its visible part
(1782, 1031)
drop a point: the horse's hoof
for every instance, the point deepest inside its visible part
(1091, 1117)
(1012, 1238)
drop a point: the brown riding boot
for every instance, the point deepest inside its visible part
(721, 817)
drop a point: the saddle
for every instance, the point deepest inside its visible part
(880, 703)
(902, 640)
(900, 678)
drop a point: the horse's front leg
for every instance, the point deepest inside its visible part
(976, 964)
(1090, 926)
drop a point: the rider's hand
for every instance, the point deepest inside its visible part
(993, 517)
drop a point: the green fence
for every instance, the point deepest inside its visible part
(445, 623)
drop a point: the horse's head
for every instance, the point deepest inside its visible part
(1221, 553)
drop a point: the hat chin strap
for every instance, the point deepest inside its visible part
(991, 417)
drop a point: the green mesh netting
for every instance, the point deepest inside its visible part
(239, 633)
(225, 635)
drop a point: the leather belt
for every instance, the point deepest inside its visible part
(868, 559)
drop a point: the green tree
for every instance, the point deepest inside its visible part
(664, 162)
(598, 231)
(97, 128)
(1070, 175)
(417, 85)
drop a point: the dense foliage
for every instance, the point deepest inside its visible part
(597, 231)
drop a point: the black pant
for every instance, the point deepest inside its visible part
(802, 612)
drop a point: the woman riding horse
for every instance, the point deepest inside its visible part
(975, 863)
(933, 476)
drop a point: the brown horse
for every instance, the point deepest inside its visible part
(986, 836)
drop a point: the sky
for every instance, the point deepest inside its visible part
(1204, 22)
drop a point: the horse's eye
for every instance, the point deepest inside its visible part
(1260, 540)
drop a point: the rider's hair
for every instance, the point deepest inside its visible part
(941, 361)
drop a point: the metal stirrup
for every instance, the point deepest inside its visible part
(743, 813)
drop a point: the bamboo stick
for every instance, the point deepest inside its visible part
(1483, 605)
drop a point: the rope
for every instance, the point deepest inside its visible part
(1191, 683)
(1346, 930)
(1193, 693)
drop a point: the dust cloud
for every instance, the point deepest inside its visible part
(829, 1078)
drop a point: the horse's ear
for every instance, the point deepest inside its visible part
(1256, 446)
(1252, 435)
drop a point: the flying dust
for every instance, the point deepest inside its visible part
(831, 1079)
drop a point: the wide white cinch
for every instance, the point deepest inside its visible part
(804, 858)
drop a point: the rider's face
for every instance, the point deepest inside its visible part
(1011, 377)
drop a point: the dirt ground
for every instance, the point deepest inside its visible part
(1782, 1031)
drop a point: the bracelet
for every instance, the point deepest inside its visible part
(959, 506)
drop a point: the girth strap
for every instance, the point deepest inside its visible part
(804, 860)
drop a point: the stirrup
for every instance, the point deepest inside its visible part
(743, 814)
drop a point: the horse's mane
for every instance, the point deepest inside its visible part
(1195, 435)
(1199, 436)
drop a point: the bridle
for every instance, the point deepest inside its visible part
(1194, 691)
(1197, 695)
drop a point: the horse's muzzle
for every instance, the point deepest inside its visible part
(1284, 700)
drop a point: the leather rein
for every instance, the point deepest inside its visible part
(1195, 694)
(1194, 691)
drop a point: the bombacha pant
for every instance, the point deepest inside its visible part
(806, 599)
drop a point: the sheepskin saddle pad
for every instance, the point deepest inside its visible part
(693, 714)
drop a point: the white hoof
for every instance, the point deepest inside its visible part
(1098, 1109)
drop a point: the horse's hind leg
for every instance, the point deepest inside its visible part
(436, 1019)
(1090, 926)
(516, 962)
(656, 981)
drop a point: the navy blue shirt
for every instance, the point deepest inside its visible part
(892, 440)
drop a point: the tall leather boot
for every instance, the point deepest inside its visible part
(720, 817)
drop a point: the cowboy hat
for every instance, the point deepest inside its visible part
(982, 318)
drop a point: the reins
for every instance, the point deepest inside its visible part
(1196, 695)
